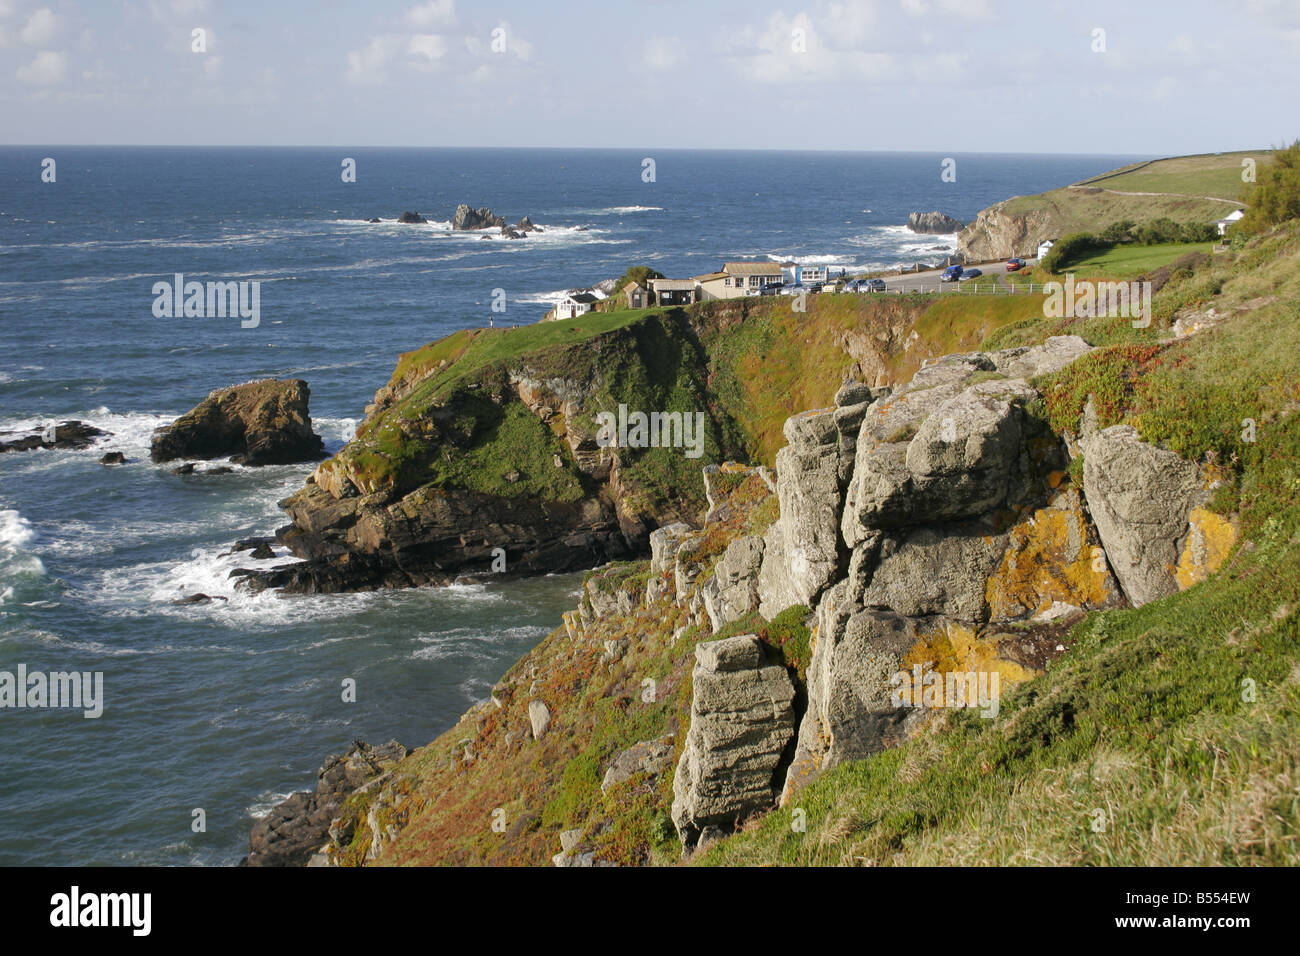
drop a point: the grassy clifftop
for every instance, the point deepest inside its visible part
(451, 415)
(1184, 189)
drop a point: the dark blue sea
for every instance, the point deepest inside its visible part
(230, 706)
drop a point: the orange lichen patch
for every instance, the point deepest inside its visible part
(1210, 538)
(1049, 559)
(1054, 478)
(956, 648)
(733, 468)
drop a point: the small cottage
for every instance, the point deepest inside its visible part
(673, 291)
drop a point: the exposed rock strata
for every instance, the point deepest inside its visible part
(742, 720)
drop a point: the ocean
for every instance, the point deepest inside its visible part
(228, 707)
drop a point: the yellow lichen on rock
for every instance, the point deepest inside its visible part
(1210, 538)
(1049, 559)
(957, 648)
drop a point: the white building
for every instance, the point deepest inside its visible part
(1044, 248)
(803, 275)
(1229, 219)
(575, 304)
(737, 279)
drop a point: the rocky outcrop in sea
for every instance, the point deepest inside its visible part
(933, 223)
(258, 423)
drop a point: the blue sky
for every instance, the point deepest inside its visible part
(975, 75)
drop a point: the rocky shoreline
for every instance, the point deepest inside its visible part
(302, 829)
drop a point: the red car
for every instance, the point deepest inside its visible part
(1015, 264)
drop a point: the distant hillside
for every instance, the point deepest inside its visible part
(1183, 188)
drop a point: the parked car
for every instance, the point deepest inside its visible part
(873, 285)
(816, 286)
(969, 274)
(853, 285)
(1015, 263)
(792, 288)
(770, 288)
(951, 274)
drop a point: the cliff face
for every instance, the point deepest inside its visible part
(927, 529)
(487, 446)
(471, 458)
(999, 233)
(1048, 531)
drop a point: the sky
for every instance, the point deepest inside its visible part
(1109, 77)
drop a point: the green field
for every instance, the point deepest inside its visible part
(1214, 174)
(1132, 260)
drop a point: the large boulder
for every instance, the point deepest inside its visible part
(803, 550)
(936, 570)
(742, 720)
(937, 453)
(1140, 497)
(651, 757)
(1030, 361)
(258, 423)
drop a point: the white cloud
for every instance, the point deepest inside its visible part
(435, 13)
(42, 26)
(835, 44)
(47, 69)
(425, 49)
(372, 64)
(662, 53)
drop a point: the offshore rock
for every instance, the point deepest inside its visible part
(258, 423)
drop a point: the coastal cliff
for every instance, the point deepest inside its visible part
(484, 451)
(1070, 513)
(1187, 189)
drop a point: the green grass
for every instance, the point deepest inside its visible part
(1097, 203)
(1132, 260)
(1205, 175)
(474, 349)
